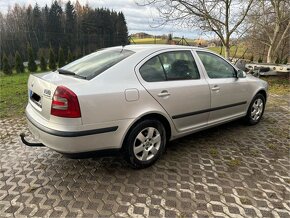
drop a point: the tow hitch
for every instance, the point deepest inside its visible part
(30, 144)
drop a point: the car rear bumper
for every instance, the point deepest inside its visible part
(70, 133)
(105, 136)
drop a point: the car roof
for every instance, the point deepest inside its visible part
(153, 47)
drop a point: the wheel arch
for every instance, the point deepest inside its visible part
(155, 116)
(262, 92)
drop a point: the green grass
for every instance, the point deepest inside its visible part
(240, 51)
(213, 152)
(278, 85)
(234, 163)
(13, 95)
(149, 41)
(272, 146)
(245, 201)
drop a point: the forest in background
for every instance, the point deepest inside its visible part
(76, 29)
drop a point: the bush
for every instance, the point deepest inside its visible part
(277, 60)
(19, 67)
(285, 61)
(61, 60)
(260, 60)
(32, 67)
(51, 62)
(70, 57)
(6, 66)
(43, 64)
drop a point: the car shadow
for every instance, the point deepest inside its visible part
(94, 154)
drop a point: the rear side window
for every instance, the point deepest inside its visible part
(152, 70)
(175, 65)
(94, 64)
(215, 66)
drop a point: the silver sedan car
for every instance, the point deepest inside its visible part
(136, 98)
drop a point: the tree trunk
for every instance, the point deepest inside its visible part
(269, 54)
(227, 51)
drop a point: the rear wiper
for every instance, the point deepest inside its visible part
(67, 72)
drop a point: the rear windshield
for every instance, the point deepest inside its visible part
(94, 64)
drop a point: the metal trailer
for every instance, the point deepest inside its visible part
(269, 69)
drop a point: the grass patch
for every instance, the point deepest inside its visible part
(272, 146)
(13, 95)
(240, 51)
(282, 133)
(149, 41)
(278, 85)
(234, 163)
(213, 152)
(245, 201)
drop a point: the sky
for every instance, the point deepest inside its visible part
(139, 18)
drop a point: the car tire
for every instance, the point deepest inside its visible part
(255, 110)
(145, 143)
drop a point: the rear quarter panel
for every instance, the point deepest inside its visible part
(103, 98)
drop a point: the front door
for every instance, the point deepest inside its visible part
(229, 94)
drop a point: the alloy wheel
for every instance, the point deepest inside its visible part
(147, 144)
(257, 109)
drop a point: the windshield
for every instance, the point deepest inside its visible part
(94, 64)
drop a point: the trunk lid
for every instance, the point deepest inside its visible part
(41, 88)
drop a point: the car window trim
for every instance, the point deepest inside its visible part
(166, 79)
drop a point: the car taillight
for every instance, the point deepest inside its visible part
(65, 103)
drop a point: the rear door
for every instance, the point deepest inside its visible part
(173, 79)
(229, 94)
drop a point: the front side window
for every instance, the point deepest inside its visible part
(215, 66)
(176, 65)
(97, 62)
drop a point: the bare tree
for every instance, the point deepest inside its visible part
(270, 20)
(222, 17)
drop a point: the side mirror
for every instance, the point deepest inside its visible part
(241, 74)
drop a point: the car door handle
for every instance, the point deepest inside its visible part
(164, 93)
(215, 88)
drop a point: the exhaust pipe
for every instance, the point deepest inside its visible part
(30, 144)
